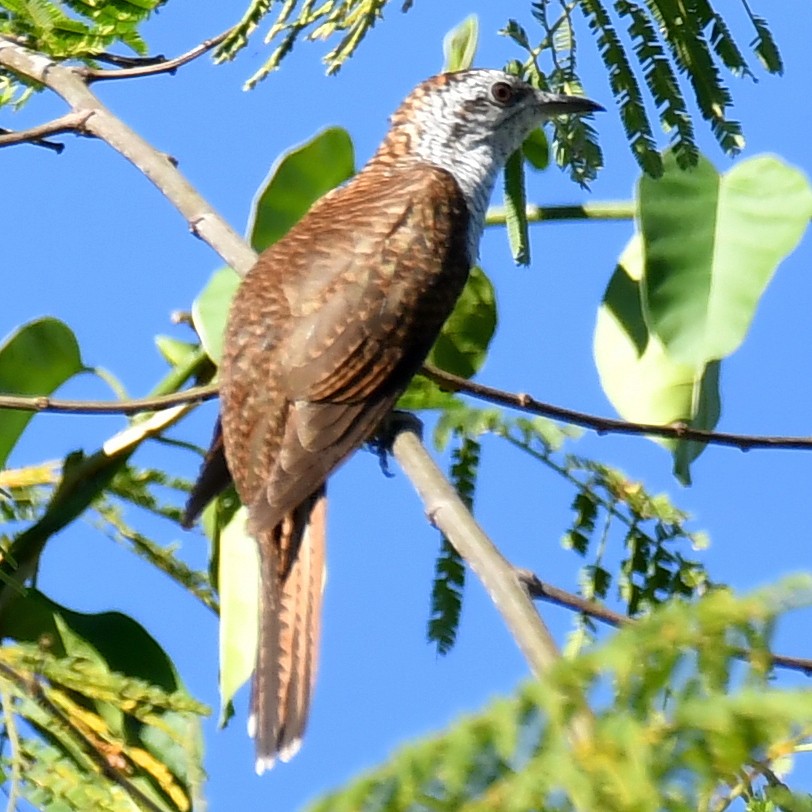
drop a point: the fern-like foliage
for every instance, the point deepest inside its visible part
(645, 46)
(617, 524)
(81, 736)
(73, 29)
(662, 82)
(76, 28)
(449, 575)
(682, 724)
(351, 19)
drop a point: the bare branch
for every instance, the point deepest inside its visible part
(609, 425)
(449, 514)
(69, 123)
(553, 594)
(449, 382)
(154, 66)
(596, 210)
(69, 84)
(46, 404)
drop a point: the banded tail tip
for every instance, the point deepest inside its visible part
(265, 762)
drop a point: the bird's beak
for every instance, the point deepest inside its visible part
(557, 104)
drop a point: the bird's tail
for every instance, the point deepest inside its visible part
(292, 575)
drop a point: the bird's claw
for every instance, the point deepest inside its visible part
(381, 442)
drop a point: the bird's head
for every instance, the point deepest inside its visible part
(469, 123)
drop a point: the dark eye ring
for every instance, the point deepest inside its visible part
(502, 93)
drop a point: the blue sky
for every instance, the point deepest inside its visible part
(90, 241)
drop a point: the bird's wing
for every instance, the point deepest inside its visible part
(214, 477)
(384, 269)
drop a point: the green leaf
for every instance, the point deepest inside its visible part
(625, 86)
(35, 359)
(119, 673)
(111, 638)
(296, 181)
(712, 243)
(175, 353)
(446, 598)
(516, 209)
(449, 569)
(425, 394)
(460, 43)
(238, 584)
(81, 31)
(462, 345)
(210, 310)
(536, 149)
(642, 381)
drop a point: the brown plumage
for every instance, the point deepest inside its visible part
(325, 333)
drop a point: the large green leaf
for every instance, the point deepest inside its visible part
(296, 181)
(462, 345)
(460, 43)
(686, 288)
(113, 638)
(238, 585)
(712, 243)
(34, 360)
(518, 230)
(463, 342)
(643, 382)
(128, 688)
(536, 149)
(210, 310)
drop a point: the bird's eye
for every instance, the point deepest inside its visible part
(503, 93)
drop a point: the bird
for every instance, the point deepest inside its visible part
(323, 336)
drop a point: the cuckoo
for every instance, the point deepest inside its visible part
(323, 336)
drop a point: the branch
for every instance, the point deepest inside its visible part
(132, 406)
(608, 210)
(99, 121)
(449, 382)
(598, 210)
(553, 594)
(75, 492)
(609, 425)
(70, 122)
(448, 513)
(154, 66)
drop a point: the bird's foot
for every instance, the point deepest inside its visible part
(381, 442)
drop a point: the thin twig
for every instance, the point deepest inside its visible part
(122, 61)
(596, 210)
(609, 425)
(560, 597)
(449, 514)
(131, 406)
(453, 383)
(25, 137)
(156, 66)
(69, 123)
